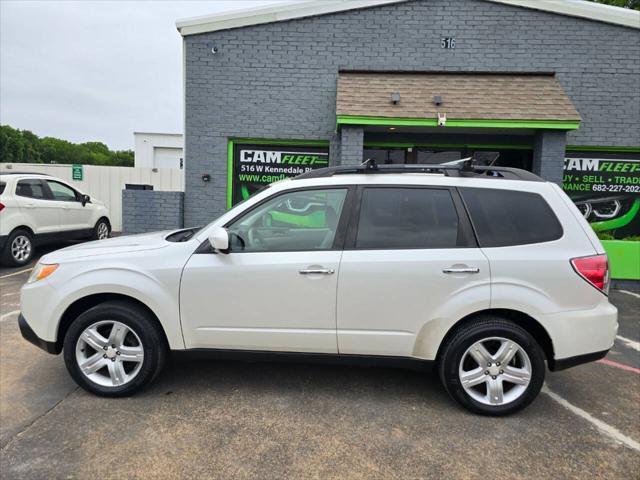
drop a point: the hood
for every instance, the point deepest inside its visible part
(110, 246)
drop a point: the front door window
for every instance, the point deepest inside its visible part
(295, 221)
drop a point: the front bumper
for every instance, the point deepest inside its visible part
(29, 335)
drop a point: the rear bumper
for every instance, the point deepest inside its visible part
(563, 364)
(29, 335)
(581, 336)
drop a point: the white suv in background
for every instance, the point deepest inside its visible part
(484, 273)
(37, 209)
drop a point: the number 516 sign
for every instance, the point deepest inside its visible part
(448, 42)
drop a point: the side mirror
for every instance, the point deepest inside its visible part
(219, 240)
(85, 199)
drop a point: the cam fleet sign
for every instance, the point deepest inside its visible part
(255, 166)
(601, 175)
(607, 192)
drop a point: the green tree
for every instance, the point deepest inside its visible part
(23, 146)
(634, 4)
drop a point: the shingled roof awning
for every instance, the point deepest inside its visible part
(473, 100)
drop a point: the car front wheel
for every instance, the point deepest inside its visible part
(492, 366)
(114, 349)
(102, 230)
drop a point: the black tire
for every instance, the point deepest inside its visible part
(8, 257)
(474, 331)
(145, 327)
(101, 224)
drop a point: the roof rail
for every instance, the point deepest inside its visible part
(11, 172)
(464, 168)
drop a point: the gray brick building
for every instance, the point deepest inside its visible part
(272, 86)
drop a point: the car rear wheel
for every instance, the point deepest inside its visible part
(114, 349)
(492, 366)
(19, 249)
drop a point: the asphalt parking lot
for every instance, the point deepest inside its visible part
(214, 419)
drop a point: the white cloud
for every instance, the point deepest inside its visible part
(95, 70)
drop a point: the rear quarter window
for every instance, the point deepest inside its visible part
(3, 185)
(504, 218)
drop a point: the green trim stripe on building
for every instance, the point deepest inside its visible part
(458, 123)
(594, 148)
(230, 173)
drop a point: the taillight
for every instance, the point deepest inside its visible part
(594, 269)
(1, 206)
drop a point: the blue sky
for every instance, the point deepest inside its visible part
(96, 70)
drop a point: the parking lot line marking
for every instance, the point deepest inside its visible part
(630, 293)
(7, 315)
(21, 271)
(629, 343)
(621, 366)
(604, 428)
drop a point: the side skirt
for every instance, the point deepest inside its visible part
(316, 358)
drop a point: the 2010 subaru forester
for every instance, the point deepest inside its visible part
(485, 273)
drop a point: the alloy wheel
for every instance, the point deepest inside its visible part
(495, 371)
(109, 353)
(21, 248)
(103, 231)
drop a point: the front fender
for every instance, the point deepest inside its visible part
(44, 303)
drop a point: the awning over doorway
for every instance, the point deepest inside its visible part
(471, 100)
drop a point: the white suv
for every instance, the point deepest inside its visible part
(37, 209)
(484, 273)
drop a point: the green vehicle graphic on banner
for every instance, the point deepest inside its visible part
(607, 193)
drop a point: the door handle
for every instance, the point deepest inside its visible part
(461, 270)
(317, 271)
(29, 205)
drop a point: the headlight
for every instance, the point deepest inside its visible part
(599, 209)
(607, 209)
(42, 271)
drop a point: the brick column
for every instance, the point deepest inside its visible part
(351, 145)
(151, 210)
(548, 154)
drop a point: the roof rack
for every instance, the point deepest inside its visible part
(462, 168)
(5, 172)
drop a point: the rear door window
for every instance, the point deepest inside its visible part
(504, 218)
(404, 218)
(31, 189)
